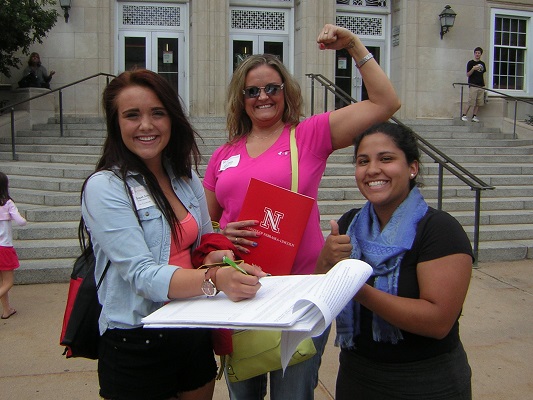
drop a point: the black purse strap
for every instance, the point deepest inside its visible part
(103, 274)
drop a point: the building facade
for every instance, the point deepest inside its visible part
(196, 44)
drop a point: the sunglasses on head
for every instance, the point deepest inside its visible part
(271, 89)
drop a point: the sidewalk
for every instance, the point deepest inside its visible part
(496, 328)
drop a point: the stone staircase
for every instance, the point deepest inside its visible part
(46, 180)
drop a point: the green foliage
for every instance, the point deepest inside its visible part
(22, 23)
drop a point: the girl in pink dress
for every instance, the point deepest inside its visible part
(8, 256)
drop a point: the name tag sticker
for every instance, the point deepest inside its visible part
(142, 197)
(231, 162)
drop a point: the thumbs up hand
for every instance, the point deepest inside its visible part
(337, 247)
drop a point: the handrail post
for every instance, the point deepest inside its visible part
(325, 99)
(514, 122)
(13, 151)
(461, 102)
(476, 224)
(440, 184)
(61, 113)
(312, 95)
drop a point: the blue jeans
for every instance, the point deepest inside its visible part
(298, 382)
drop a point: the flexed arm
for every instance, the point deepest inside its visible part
(348, 122)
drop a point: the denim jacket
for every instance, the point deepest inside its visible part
(137, 281)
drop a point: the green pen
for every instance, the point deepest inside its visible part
(232, 264)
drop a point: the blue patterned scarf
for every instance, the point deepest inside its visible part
(384, 251)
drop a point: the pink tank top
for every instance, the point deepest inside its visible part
(180, 252)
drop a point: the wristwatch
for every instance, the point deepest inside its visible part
(208, 286)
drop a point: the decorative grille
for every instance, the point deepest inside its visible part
(258, 20)
(361, 26)
(368, 3)
(142, 15)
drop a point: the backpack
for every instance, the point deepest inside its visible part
(80, 333)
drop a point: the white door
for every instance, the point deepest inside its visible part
(244, 45)
(161, 52)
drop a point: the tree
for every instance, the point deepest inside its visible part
(22, 23)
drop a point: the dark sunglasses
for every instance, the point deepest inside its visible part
(270, 90)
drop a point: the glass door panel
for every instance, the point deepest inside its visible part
(348, 77)
(275, 48)
(134, 52)
(277, 45)
(242, 49)
(245, 45)
(167, 56)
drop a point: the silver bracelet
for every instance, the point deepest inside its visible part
(364, 60)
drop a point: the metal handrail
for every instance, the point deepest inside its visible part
(444, 161)
(11, 107)
(511, 98)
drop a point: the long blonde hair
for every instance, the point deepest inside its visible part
(238, 123)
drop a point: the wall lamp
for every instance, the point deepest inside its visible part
(65, 5)
(447, 19)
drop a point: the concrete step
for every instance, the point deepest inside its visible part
(46, 198)
(48, 183)
(47, 230)
(49, 270)
(48, 170)
(53, 158)
(47, 248)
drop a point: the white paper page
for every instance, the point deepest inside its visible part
(341, 283)
(272, 306)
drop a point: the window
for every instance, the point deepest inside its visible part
(510, 57)
(509, 53)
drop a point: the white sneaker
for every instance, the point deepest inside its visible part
(475, 119)
(463, 118)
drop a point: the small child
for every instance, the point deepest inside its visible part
(8, 256)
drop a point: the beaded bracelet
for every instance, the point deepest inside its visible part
(364, 60)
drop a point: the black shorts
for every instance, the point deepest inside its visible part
(154, 364)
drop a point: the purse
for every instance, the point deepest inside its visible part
(80, 333)
(258, 352)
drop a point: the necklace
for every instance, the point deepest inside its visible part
(269, 136)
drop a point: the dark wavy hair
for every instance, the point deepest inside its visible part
(181, 151)
(30, 63)
(402, 136)
(4, 189)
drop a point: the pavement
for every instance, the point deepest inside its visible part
(496, 329)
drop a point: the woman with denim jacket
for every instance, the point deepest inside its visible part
(145, 212)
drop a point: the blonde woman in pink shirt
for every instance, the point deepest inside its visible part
(8, 256)
(264, 101)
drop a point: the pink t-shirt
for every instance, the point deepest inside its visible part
(230, 168)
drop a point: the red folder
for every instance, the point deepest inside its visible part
(282, 217)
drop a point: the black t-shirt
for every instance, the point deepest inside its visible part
(477, 76)
(438, 234)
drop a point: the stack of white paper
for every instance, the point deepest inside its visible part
(301, 306)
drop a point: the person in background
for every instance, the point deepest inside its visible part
(8, 256)
(474, 71)
(264, 101)
(399, 336)
(145, 211)
(40, 77)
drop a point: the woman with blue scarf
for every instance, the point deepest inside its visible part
(399, 336)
